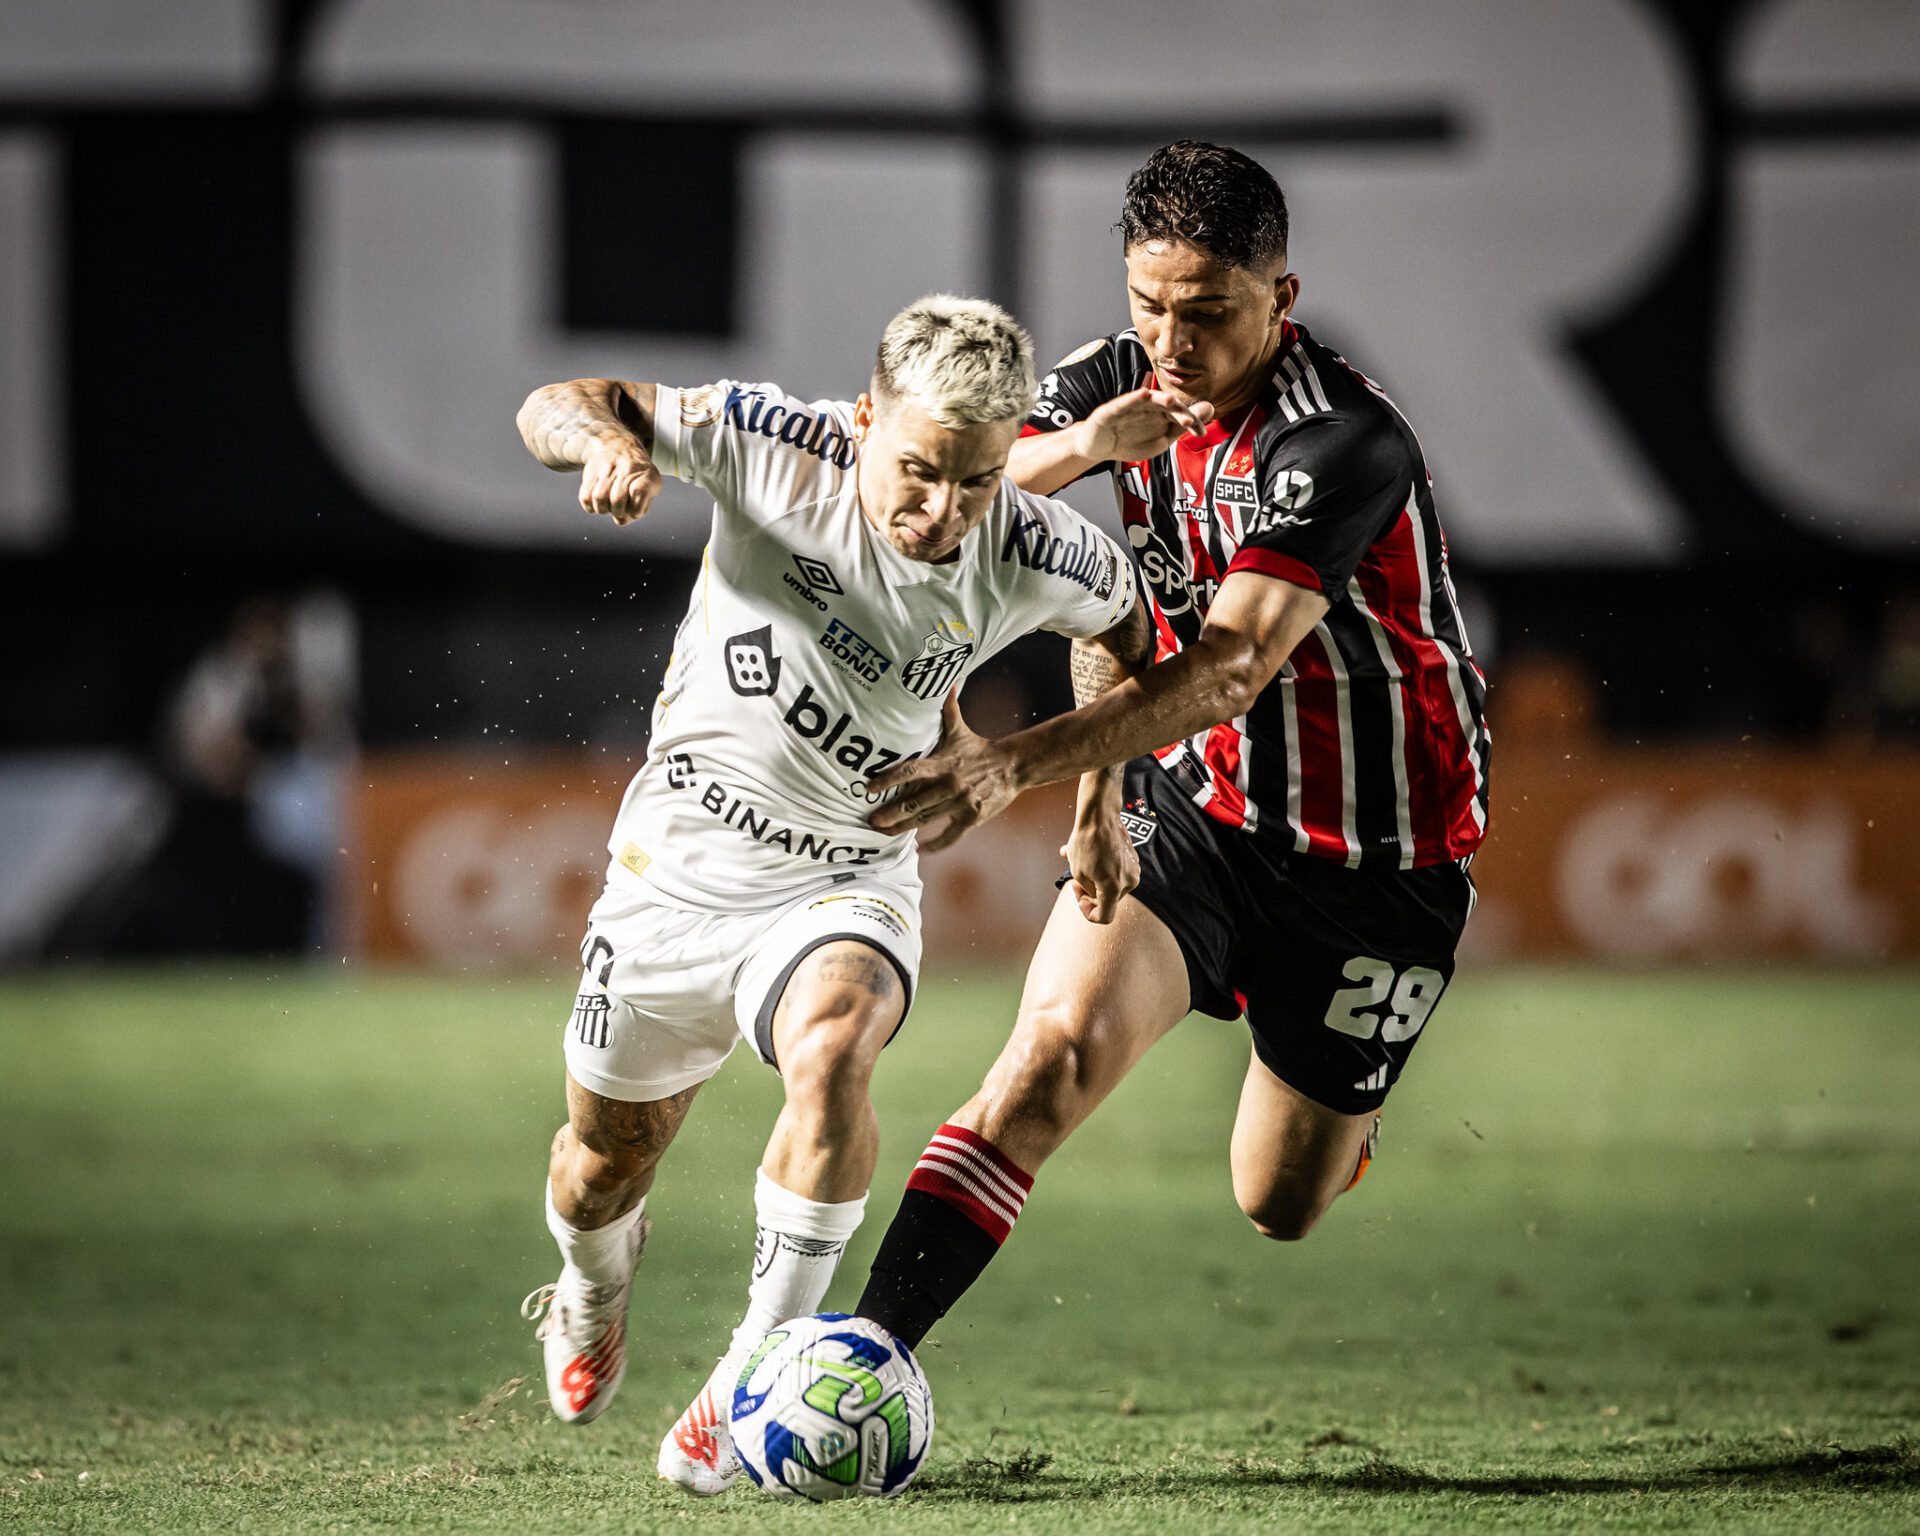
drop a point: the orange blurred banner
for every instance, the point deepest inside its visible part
(1598, 854)
(1639, 856)
(460, 860)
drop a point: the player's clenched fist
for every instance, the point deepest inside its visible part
(1139, 425)
(1102, 865)
(604, 429)
(618, 480)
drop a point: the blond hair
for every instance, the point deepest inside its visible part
(962, 361)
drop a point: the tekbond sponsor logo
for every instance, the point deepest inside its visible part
(753, 670)
(815, 577)
(846, 744)
(1174, 590)
(1082, 560)
(938, 666)
(751, 411)
(854, 654)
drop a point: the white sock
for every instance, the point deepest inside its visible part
(797, 1245)
(603, 1255)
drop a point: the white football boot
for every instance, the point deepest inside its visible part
(584, 1336)
(698, 1453)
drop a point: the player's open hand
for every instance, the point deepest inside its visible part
(619, 481)
(1140, 425)
(965, 778)
(1102, 865)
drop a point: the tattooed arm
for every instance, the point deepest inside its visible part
(604, 429)
(1098, 852)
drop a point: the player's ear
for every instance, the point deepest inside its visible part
(862, 416)
(1286, 294)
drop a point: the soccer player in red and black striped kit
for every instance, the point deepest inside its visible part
(1299, 852)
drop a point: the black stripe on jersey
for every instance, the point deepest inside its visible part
(1371, 698)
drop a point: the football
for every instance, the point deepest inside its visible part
(832, 1407)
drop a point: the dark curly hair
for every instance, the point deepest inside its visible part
(1215, 198)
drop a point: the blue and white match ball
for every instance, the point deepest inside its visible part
(832, 1407)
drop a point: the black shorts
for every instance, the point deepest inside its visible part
(1336, 969)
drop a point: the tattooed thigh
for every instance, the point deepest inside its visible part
(858, 966)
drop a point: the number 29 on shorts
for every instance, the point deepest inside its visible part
(1409, 994)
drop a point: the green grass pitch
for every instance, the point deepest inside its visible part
(1640, 1252)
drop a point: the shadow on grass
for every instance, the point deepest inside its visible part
(1027, 1477)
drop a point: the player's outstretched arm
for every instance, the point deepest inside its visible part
(604, 429)
(1101, 863)
(1129, 427)
(1252, 627)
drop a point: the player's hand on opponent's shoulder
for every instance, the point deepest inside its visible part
(966, 778)
(1139, 425)
(618, 480)
(1102, 866)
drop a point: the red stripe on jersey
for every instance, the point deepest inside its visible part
(1028, 429)
(1440, 805)
(1316, 696)
(1222, 756)
(1270, 562)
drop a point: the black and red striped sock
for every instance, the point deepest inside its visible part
(961, 1203)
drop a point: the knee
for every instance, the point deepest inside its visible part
(602, 1163)
(1284, 1215)
(829, 1063)
(1049, 1083)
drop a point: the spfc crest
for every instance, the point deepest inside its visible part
(937, 667)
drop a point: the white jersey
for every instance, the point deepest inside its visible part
(813, 655)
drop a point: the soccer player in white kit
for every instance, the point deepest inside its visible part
(864, 558)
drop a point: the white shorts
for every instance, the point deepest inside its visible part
(668, 993)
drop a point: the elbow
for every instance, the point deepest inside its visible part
(1238, 681)
(527, 418)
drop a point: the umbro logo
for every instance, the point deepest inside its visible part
(818, 575)
(815, 577)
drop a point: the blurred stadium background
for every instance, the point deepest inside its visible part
(304, 654)
(307, 661)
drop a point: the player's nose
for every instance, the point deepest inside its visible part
(942, 503)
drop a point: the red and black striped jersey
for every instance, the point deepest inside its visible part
(1370, 747)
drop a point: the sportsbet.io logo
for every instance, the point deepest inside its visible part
(752, 668)
(937, 667)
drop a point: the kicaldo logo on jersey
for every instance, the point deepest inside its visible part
(1639, 879)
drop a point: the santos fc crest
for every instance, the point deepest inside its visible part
(937, 668)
